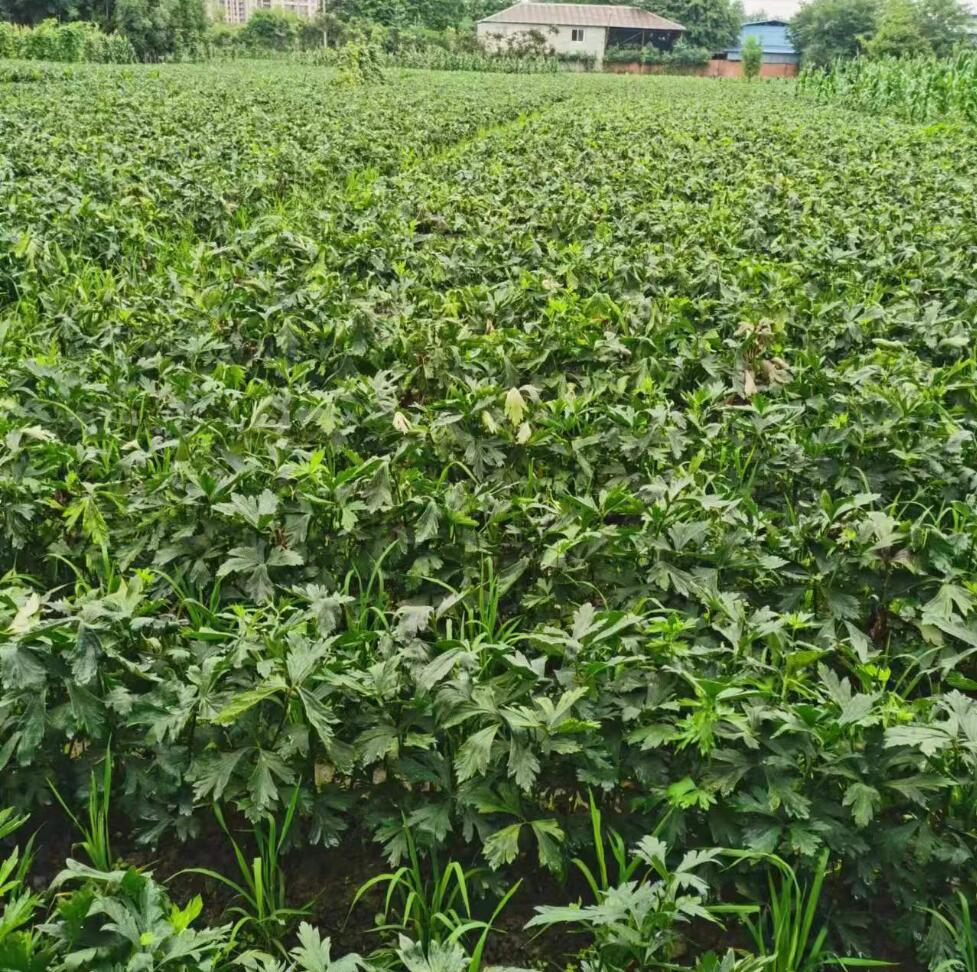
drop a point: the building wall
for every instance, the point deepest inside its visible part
(559, 38)
(768, 57)
(238, 11)
(716, 68)
(769, 35)
(777, 47)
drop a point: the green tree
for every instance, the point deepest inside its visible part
(434, 14)
(752, 57)
(477, 9)
(943, 23)
(318, 31)
(714, 24)
(897, 31)
(824, 30)
(189, 22)
(147, 25)
(907, 27)
(161, 28)
(271, 30)
(391, 13)
(34, 11)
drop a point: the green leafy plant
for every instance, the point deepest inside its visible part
(76, 41)
(123, 919)
(285, 365)
(312, 954)
(360, 63)
(637, 923)
(731, 961)
(20, 949)
(447, 956)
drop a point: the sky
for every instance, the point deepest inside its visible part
(785, 9)
(777, 9)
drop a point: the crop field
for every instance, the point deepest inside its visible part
(562, 486)
(919, 90)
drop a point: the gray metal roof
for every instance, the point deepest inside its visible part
(581, 15)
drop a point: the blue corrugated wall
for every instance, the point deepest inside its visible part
(777, 48)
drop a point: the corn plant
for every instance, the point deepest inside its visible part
(917, 89)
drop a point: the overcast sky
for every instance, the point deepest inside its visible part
(785, 9)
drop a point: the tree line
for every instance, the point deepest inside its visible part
(828, 30)
(160, 29)
(823, 30)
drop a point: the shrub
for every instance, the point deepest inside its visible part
(70, 40)
(73, 42)
(440, 59)
(578, 57)
(681, 56)
(271, 30)
(41, 42)
(11, 38)
(115, 48)
(686, 56)
(524, 43)
(360, 63)
(622, 55)
(752, 57)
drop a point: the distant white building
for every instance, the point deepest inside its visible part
(238, 11)
(579, 28)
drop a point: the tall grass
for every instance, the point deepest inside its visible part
(914, 89)
(261, 907)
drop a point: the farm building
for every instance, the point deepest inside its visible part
(772, 34)
(578, 28)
